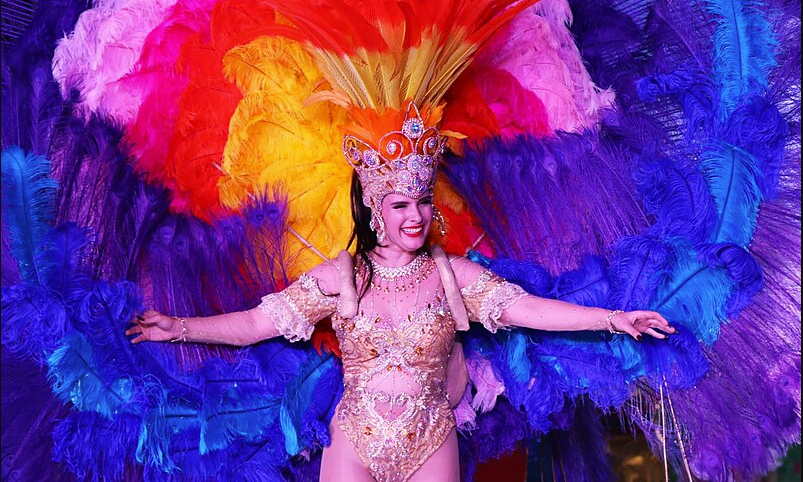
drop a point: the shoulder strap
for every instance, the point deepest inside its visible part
(451, 289)
(348, 288)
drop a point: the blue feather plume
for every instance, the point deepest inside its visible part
(77, 378)
(640, 265)
(733, 178)
(677, 195)
(28, 197)
(695, 296)
(236, 404)
(299, 396)
(33, 321)
(61, 259)
(76, 444)
(744, 44)
(588, 285)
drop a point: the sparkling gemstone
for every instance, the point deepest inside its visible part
(393, 147)
(414, 162)
(404, 178)
(354, 153)
(425, 173)
(413, 128)
(371, 158)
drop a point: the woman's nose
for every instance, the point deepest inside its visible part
(415, 214)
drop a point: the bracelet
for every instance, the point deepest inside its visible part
(183, 337)
(609, 322)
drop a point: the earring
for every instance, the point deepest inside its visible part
(441, 221)
(378, 227)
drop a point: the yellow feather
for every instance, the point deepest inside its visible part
(275, 139)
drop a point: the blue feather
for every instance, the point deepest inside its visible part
(758, 127)
(60, 261)
(732, 176)
(236, 404)
(695, 296)
(169, 426)
(515, 349)
(742, 268)
(76, 377)
(28, 197)
(76, 444)
(33, 321)
(676, 193)
(588, 285)
(639, 267)
(301, 392)
(744, 44)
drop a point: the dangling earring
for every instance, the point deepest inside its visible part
(378, 227)
(440, 219)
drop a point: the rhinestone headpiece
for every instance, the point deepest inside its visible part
(403, 162)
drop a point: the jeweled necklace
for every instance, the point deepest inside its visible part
(401, 278)
(388, 273)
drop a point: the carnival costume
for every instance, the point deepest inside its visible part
(188, 156)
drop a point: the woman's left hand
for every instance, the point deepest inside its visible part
(634, 323)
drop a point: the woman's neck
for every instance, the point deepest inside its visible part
(392, 257)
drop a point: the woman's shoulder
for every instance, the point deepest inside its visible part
(465, 270)
(328, 272)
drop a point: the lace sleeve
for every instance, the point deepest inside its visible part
(487, 297)
(295, 310)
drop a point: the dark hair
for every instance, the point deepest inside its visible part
(362, 232)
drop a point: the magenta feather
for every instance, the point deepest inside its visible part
(104, 47)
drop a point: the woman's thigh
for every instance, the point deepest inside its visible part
(340, 461)
(443, 465)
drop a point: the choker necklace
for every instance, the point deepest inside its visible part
(387, 273)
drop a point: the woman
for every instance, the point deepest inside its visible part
(395, 311)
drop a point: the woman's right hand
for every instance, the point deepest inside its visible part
(154, 326)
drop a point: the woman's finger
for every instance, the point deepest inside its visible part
(663, 327)
(654, 333)
(133, 330)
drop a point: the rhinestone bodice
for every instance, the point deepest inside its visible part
(394, 409)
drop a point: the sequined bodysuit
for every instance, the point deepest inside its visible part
(395, 409)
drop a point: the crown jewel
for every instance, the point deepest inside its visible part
(403, 162)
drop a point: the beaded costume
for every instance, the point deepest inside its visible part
(395, 409)
(187, 156)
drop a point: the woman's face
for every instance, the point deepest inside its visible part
(407, 220)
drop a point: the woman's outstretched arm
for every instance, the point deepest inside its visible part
(292, 313)
(555, 315)
(495, 302)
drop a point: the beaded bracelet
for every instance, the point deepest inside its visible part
(609, 322)
(183, 337)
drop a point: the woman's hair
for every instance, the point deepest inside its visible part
(362, 232)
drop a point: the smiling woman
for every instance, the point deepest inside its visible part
(126, 148)
(396, 313)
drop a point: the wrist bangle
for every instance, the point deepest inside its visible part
(183, 337)
(609, 322)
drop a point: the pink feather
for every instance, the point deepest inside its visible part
(104, 47)
(158, 79)
(539, 50)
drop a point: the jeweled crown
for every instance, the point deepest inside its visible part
(403, 162)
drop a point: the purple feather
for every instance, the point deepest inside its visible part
(30, 412)
(562, 197)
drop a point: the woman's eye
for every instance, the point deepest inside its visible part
(399, 206)
(426, 201)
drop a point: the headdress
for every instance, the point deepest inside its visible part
(403, 161)
(390, 63)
